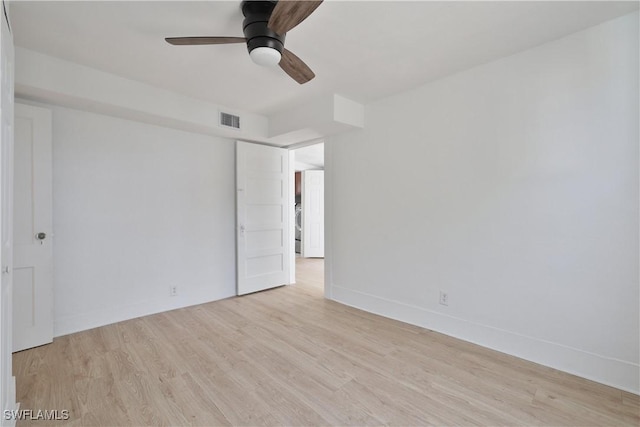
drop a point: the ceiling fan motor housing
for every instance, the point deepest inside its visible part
(256, 31)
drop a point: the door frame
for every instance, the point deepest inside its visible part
(328, 208)
(7, 380)
(292, 216)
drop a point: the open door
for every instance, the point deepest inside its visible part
(32, 229)
(263, 247)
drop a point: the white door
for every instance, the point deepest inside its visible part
(313, 214)
(32, 228)
(262, 183)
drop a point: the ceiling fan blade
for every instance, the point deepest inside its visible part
(289, 13)
(295, 67)
(185, 41)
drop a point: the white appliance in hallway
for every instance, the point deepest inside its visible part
(298, 227)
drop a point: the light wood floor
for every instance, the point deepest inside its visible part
(289, 357)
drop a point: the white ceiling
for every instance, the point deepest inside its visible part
(310, 157)
(359, 49)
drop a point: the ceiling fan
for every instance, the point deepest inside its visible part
(265, 26)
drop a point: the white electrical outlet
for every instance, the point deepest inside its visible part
(444, 298)
(173, 291)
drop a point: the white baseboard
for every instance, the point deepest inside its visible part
(94, 319)
(612, 372)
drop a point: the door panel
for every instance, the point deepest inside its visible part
(262, 179)
(32, 213)
(24, 290)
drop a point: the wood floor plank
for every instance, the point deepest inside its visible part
(196, 404)
(288, 356)
(325, 402)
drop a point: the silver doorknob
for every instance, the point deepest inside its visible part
(41, 236)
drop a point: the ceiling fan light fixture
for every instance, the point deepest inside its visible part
(265, 56)
(265, 25)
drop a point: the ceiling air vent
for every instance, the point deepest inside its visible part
(229, 120)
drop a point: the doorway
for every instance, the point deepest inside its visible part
(308, 166)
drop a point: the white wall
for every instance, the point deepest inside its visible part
(138, 208)
(57, 81)
(512, 186)
(329, 114)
